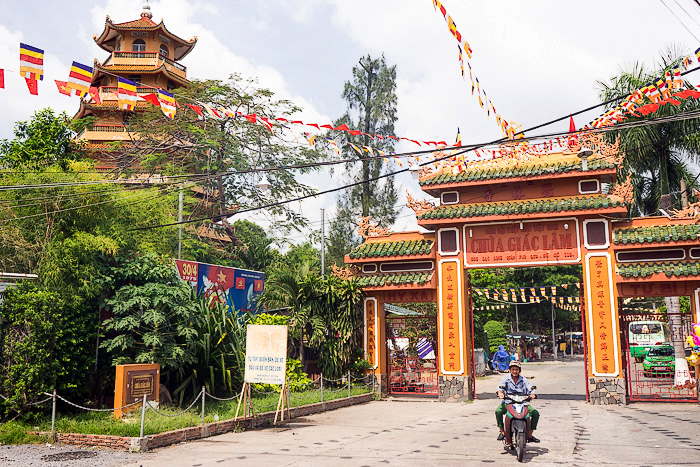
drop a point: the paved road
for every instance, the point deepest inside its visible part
(431, 433)
(411, 432)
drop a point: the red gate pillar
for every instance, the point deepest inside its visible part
(606, 376)
(455, 382)
(374, 319)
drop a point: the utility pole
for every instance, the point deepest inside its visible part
(179, 225)
(517, 321)
(554, 336)
(323, 242)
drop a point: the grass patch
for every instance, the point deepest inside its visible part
(103, 423)
(18, 433)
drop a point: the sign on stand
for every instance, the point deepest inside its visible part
(265, 363)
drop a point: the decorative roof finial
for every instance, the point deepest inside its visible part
(146, 12)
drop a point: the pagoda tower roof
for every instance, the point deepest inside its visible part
(123, 69)
(107, 39)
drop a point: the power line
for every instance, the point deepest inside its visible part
(680, 20)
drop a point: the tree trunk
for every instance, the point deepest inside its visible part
(666, 203)
(675, 321)
(366, 192)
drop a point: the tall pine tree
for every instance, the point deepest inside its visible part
(371, 100)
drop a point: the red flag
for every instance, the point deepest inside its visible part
(152, 98)
(2, 78)
(62, 87)
(95, 93)
(196, 108)
(573, 139)
(330, 127)
(342, 127)
(280, 119)
(649, 108)
(314, 125)
(251, 118)
(33, 86)
(353, 132)
(267, 124)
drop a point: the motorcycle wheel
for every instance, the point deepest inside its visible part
(520, 446)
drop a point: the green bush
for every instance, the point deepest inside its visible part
(47, 343)
(497, 334)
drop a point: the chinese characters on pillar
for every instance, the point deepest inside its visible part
(601, 315)
(371, 329)
(451, 352)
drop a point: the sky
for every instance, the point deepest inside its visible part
(537, 60)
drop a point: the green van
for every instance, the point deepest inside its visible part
(644, 335)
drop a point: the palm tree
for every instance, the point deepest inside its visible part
(656, 157)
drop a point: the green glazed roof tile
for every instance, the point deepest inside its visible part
(388, 249)
(525, 170)
(397, 278)
(456, 211)
(657, 233)
(670, 268)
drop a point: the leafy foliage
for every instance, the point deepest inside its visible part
(497, 334)
(47, 344)
(656, 155)
(153, 322)
(227, 150)
(43, 141)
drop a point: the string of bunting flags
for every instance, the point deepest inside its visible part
(520, 295)
(509, 129)
(657, 93)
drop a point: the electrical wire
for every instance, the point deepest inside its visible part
(680, 20)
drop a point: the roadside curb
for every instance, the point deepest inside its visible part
(168, 438)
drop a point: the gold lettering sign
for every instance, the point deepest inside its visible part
(601, 315)
(522, 243)
(450, 318)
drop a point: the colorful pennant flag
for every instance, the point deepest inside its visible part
(79, 79)
(126, 94)
(167, 103)
(62, 87)
(554, 289)
(31, 62)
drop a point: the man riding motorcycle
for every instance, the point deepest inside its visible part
(516, 384)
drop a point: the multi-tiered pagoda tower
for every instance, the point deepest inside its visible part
(141, 51)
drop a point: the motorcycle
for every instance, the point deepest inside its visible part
(517, 422)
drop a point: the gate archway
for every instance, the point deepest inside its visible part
(553, 209)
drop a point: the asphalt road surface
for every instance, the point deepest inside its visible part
(420, 432)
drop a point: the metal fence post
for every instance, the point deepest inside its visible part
(53, 413)
(321, 388)
(204, 394)
(143, 415)
(349, 383)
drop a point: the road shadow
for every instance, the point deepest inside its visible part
(531, 452)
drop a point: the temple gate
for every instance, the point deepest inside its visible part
(550, 209)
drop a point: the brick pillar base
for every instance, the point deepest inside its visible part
(607, 391)
(455, 388)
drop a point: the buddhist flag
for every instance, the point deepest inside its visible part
(127, 94)
(697, 53)
(31, 62)
(311, 140)
(554, 289)
(570, 299)
(542, 291)
(486, 291)
(79, 79)
(677, 80)
(167, 103)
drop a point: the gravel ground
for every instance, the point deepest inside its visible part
(60, 456)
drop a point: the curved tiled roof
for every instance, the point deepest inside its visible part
(670, 268)
(143, 24)
(521, 170)
(387, 249)
(578, 203)
(397, 278)
(657, 233)
(142, 69)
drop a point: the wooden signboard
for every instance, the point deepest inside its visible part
(134, 382)
(526, 243)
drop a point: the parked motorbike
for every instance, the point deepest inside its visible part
(517, 422)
